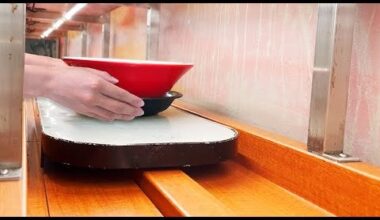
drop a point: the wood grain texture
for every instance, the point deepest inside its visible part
(58, 191)
(31, 134)
(79, 192)
(13, 193)
(249, 194)
(37, 120)
(342, 189)
(36, 200)
(176, 194)
(37, 203)
(278, 159)
(36, 195)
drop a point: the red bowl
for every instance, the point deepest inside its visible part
(143, 78)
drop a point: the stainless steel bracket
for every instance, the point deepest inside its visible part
(332, 62)
(10, 174)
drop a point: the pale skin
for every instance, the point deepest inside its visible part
(87, 91)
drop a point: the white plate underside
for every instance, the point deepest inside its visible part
(170, 126)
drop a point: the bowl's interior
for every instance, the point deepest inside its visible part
(126, 61)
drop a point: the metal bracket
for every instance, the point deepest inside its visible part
(106, 30)
(12, 48)
(332, 62)
(153, 29)
(340, 157)
(10, 174)
(84, 40)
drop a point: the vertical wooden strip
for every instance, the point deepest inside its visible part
(36, 194)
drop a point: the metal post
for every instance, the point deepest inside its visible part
(153, 30)
(57, 48)
(84, 40)
(65, 42)
(330, 80)
(106, 28)
(12, 48)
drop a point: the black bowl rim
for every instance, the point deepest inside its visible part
(168, 95)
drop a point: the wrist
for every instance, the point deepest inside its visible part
(32, 59)
(38, 80)
(48, 83)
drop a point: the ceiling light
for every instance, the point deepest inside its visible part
(74, 10)
(67, 16)
(48, 32)
(58, 23)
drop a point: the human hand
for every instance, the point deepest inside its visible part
(91, 92)
(32, 59)
(57, 62)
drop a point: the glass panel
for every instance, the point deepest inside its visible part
(253, 62)
(362, 135)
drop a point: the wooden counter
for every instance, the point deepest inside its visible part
(61, 191)
(13, 193)
(259, 182)
(344, 189)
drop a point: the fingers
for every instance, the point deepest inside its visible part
(106, 115)
(112, 103)
(118, 107)
(125, 117)
(120, 94)
(83, 110)
(93, 115)
(60, 62)
(93, 93)
(100, 113)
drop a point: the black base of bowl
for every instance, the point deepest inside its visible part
(154, 106)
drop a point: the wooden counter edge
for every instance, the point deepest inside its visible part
(37, 205)
(344, 189)
(13, 193)
(173, 192)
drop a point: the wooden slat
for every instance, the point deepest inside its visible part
(49, 15)
(77, 192)
(36, 200)
(343, 189)
(80, 192)
(12, 198)
(37, 35)
(31, 134)
(63, 27)
(39, 31)
(36, 115)
(249, 194)
(13, 193)
(175, 194)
